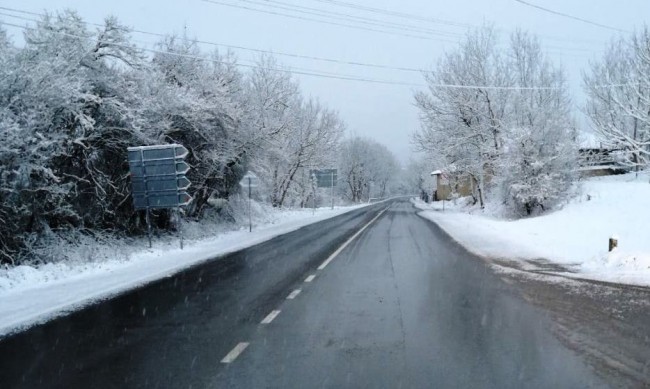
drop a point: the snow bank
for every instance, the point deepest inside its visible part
(576, 236)
(30, 294)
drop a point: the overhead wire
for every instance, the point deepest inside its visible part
(287, 70)
(347, 17)
(331, 75)
(220, 2)
(414, 17)
(304, 18)
(395, 13)
(298, 71)
(548, 10)
(285, 54)
(236, 47)
(258, 51)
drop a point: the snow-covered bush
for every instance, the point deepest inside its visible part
(73, 98)
(535, 173)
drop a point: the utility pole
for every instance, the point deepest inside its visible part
(250, 218)
(332, 187)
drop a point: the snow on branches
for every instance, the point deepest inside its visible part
(620, 112)
(506, 123)
(73, 98)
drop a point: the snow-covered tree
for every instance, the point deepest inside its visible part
(66, 100)
(618, 105)
(367, 168)
(500, 118)
(464, 124)
(198, 102)
(537, 167)
(295, 134)
(416, 177)
(73, 98)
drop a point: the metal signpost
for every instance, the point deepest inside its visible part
(249, 181)
(444, 180)
(158, 179)
(325, 178)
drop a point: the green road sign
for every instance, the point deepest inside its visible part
(324, 178)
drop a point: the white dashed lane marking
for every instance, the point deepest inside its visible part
(269, 318)
(240, 347)
(293, 294)
(235, 352)
(344, 245)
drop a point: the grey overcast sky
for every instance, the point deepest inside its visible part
(382, 112)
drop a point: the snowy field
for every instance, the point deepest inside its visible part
(34, 294)
(575, 236)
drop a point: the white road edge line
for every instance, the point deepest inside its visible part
(269, 318)
(235, 352)
(310, 278)
(293, 294)
(344, 245)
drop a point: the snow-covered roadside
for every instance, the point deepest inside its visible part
(576, 236)
(30, 295)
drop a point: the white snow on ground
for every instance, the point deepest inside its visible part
(30, 295)
(575, 236)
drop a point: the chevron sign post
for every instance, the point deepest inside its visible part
(158, 179)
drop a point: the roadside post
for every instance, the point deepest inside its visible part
(249, 181)
(613, 242)
(444, 180)
(314, 185)
(332, 187)
(158, 180)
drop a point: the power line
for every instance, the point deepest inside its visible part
(570, 16)
(395, 13)
(428, 19)
(337, 76)
(354, 6)
(347, 17)
(331, 75)
(258, 51)
(289, 70)
(359, 27)
(433, 20)
(323, 21)
(236, 47)
(279, 53)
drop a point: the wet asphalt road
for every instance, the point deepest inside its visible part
(401, 306)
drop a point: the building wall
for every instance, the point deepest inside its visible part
(463, 186)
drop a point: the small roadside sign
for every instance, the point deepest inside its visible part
(324, 178)
(250, 180)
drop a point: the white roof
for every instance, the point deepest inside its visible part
(589, 140)
(436, 172)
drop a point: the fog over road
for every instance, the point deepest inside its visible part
(400, 306)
